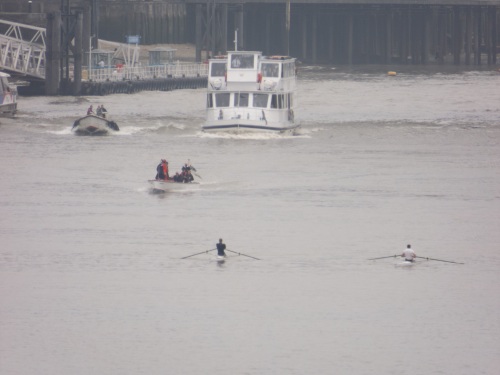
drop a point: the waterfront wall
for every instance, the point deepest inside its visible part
(156, 22)
(376, 34)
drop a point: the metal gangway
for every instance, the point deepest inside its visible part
(22, 49)
(23, 52)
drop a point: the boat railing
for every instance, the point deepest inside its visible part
(268, 84)
(177, 70)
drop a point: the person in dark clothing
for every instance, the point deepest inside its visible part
(177, 177)
(188, 167)
(188, 177)
(162, 170)
(221, 246)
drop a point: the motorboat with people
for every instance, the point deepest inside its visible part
(163, 182)
(249, 92)
(8, 96)
(95, 124)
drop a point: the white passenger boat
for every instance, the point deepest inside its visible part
(94, 125)
(248, 92)
(8, 96)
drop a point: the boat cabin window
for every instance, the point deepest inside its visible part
(210, 102)
(274, 101)
(270, 70)
(242, 61)
(278, 101)
(222, 100)
(260, 100)
(241, 100)
(4, 85)
(218, 69)
(288, 69)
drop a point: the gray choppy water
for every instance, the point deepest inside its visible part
(91, 278)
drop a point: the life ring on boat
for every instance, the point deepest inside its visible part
(259, 77)
(216, 84)
(269, 85)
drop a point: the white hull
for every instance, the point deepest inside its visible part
(94, 125)
(247, 126)
(169, 185)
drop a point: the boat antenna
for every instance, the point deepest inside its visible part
(236, 40)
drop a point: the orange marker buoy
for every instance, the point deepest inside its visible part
(391, 73)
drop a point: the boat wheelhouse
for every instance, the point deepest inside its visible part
(250, 92)
(8, 96)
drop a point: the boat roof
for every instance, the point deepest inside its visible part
(276, 57)
(246, 52)
(273, 57)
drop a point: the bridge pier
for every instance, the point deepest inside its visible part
(53, 54)
(78, 54)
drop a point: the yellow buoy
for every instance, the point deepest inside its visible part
(391, 73)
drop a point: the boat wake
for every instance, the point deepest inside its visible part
(157, 127)
(65, 131)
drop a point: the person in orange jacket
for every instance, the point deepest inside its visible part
(162, 170)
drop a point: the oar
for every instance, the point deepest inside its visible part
(203, 252)
(440, 260)
(390, 256)
(243, 254)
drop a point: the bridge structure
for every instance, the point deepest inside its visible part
(22, 49)
(51, 60)
(337, 32)
(352, 31)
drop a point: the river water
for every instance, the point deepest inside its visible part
(91, 275)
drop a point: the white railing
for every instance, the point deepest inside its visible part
(176, 70)
(22, 48)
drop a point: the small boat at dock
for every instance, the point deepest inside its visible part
(94, 125)
(8, 96)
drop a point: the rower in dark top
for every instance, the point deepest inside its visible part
(188, 167)
(187, 176)
(221, 246)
